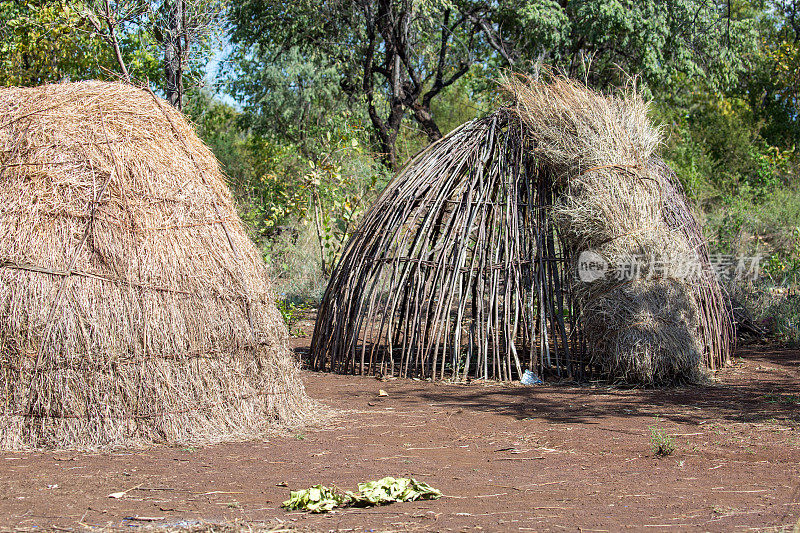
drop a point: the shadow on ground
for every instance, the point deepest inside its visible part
(736, 397)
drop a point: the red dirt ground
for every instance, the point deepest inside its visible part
(507, 457)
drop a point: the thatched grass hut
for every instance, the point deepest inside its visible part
(468, 266)
(133, 306)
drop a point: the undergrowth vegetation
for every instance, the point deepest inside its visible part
(746, 190)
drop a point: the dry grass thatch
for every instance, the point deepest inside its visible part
(467, 265)
(134, 307)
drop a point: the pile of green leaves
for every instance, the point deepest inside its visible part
(321, 499)
(316, 499)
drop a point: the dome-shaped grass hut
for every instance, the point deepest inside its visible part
(547, 236)
(133, 306)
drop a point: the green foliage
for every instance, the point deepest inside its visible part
(772, 85)
(740, 226)
(321, 499)
(783, 265)
(605, 40)
(288, 94)
(715, 147)
(390, 489)
(328, 190)
(388, 61)
(45, 41)
(315, 499)
(336, 197)
(785, 399)
(661, 443)
(289, 186)
(290, 311)
(308, 150)
(53, 40)
(537, 25)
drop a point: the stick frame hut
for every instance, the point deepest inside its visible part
(466, 266)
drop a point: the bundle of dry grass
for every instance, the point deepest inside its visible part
(468, 264)
(619, 200)
(134, 307)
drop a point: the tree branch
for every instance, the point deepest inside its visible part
(442, 49)
(494, 40)
(111, 35)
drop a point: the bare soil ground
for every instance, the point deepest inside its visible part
(507, 457)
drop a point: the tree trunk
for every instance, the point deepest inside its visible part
(174, 52)
(425, 120)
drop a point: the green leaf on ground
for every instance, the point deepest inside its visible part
(316, 499)
(389, 489)
(321, 499)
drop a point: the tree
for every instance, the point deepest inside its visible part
(396, 55)
(604, 41)
(290, 95)
(109, 19)
(183, 29)
(47, 40)
(399, 55)
(773, 86)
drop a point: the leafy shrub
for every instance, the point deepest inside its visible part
(661, 443)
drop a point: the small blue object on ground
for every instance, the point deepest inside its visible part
(529, 378)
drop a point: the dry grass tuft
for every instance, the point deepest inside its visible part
(575, 129)
(620, 200)
(134, 307)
